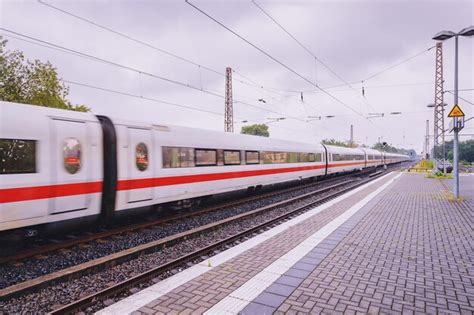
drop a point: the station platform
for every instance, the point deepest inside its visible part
(397, 244)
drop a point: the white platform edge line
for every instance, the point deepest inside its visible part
(144, 297)
(241, 297)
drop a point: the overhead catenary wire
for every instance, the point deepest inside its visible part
(142, 97)
(77, 53)
(398, 63)
(300, 43)
(272, 58)
(161, 50)
(159, 101)
(130, 38)
(310, 52)
(462, 98)
(324, 64)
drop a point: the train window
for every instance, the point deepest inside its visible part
(311, 157)
(170, 157)
(17, 156)
(318, 157)
(206, 157)
(186, 157)
(72, 155)
(220, 157)
(252, 157)
(231, 157)
(274, 157)
(178, 157)
(293, 157)
(141, 156)
(335, 157)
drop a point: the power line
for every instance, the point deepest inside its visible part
(272, 58)
(301, 44)
(374, 87)
(460, 90)
(465, 100)
(97, 59)
(160, 101)
(128, 37)
(142, 97)
(398, 63)
(78, 53)
(310, 52)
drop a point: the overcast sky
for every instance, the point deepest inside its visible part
(356, 39)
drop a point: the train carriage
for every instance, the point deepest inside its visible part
(163, 163)
(61, 166)
(374, 158)
(50, 165)
(341, 159)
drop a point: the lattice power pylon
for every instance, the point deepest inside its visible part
(438, 142)
(229, 110)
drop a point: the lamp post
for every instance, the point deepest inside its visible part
(444, 35)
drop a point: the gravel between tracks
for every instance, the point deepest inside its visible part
(49, 298)
(33, 268)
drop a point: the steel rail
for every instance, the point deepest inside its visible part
(43, 250)
(128, 254)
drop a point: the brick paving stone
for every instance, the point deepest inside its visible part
(411, 252)
(224, 279)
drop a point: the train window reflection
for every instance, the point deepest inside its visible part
(17, 156)
(178, 157)
(252, 157)
(206, 157)
(231, 157)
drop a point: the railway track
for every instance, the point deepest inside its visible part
(128, 254)
(118, 258)
(119, 288)
(102, 235)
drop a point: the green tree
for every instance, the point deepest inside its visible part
(256, 130)
(466, 150)
(335, 143)
(32, 82)
(383, 146)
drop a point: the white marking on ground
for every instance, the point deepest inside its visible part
(154, 292)
(241, 297)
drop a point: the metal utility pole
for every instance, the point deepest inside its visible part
(427, 140)
(229, 110)
(458, 118)
(456, 128)
(438, 122)
(352, 136)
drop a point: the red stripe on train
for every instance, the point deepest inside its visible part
(50, 191)
(62, 190)
(187, 179)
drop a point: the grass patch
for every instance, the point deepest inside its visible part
(439, 175)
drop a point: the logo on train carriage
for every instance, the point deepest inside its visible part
(141, 156)
(72, 155)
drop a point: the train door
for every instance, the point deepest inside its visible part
(140, 168)
(70, 165)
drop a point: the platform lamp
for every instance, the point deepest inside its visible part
(444, 35)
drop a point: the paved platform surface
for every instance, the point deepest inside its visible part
(397, 245)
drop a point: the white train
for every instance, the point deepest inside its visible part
(58, 165)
